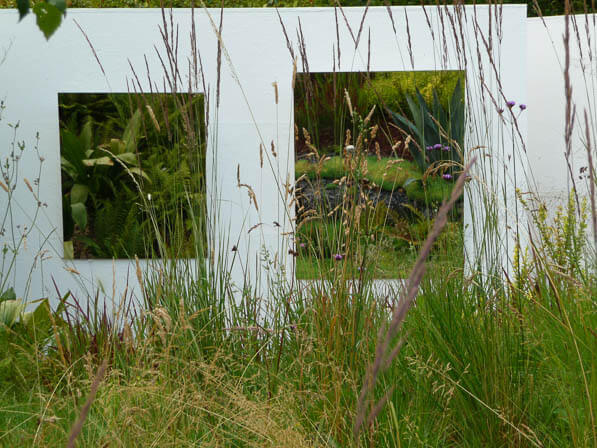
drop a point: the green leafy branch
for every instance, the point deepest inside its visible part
(49, 14)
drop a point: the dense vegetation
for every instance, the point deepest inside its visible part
(127, 170)
(365, 144)
(547, 7)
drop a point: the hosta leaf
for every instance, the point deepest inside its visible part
(131, 131)
(79, 213)
(128, 158)
(105, 161)
(39, 321)
(10, 311)
(116, 146)
(139, 172)
(48, 18)
(86, 136)
(79, 193)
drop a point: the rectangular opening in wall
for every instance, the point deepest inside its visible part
(132, 175)
(375, 156)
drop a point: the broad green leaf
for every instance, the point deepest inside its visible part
(69, 251)
(139, 172)
(79, 193)
(9, 294)
(117, 146)
(79, 213)
(128, 158)
(68, 167)
(39, 321)
(104, 161)
(60, 4)
(48, 18)
(23, 7)
(86, 136)
(131, 131)
(10, 311)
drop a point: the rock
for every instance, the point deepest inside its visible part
(324, 196)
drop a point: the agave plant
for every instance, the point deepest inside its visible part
(438, 133)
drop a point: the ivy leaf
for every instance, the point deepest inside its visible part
(23, 7)
(48, 18)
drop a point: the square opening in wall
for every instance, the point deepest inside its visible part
(132, 175)
(375, 156)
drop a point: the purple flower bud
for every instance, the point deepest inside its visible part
(500, 111)
(437, 146)
(303, 245)
(338, 257)
(522, 106)
(511, 104)
(447, 176)
(446, 148)
(428, 148)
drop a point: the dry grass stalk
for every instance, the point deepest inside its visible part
(78, 426)
(288, 44)
(91, 46)
(570, 113)
(382, 359)
(337, 40)
(410, 50)
(356, 44)
(591, 179)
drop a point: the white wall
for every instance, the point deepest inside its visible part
(547, 103)
(255, 56)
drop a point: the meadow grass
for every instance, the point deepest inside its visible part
(504, 361)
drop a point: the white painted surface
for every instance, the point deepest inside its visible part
(255, 56)
(547, 102)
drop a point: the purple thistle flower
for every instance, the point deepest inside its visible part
(338, 257)
(522, 106)
(500, 111)
(446, 148)
(447, 176)
(511, 104)
(428, 148)
(437, 146)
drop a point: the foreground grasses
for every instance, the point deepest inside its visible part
(513, 365)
